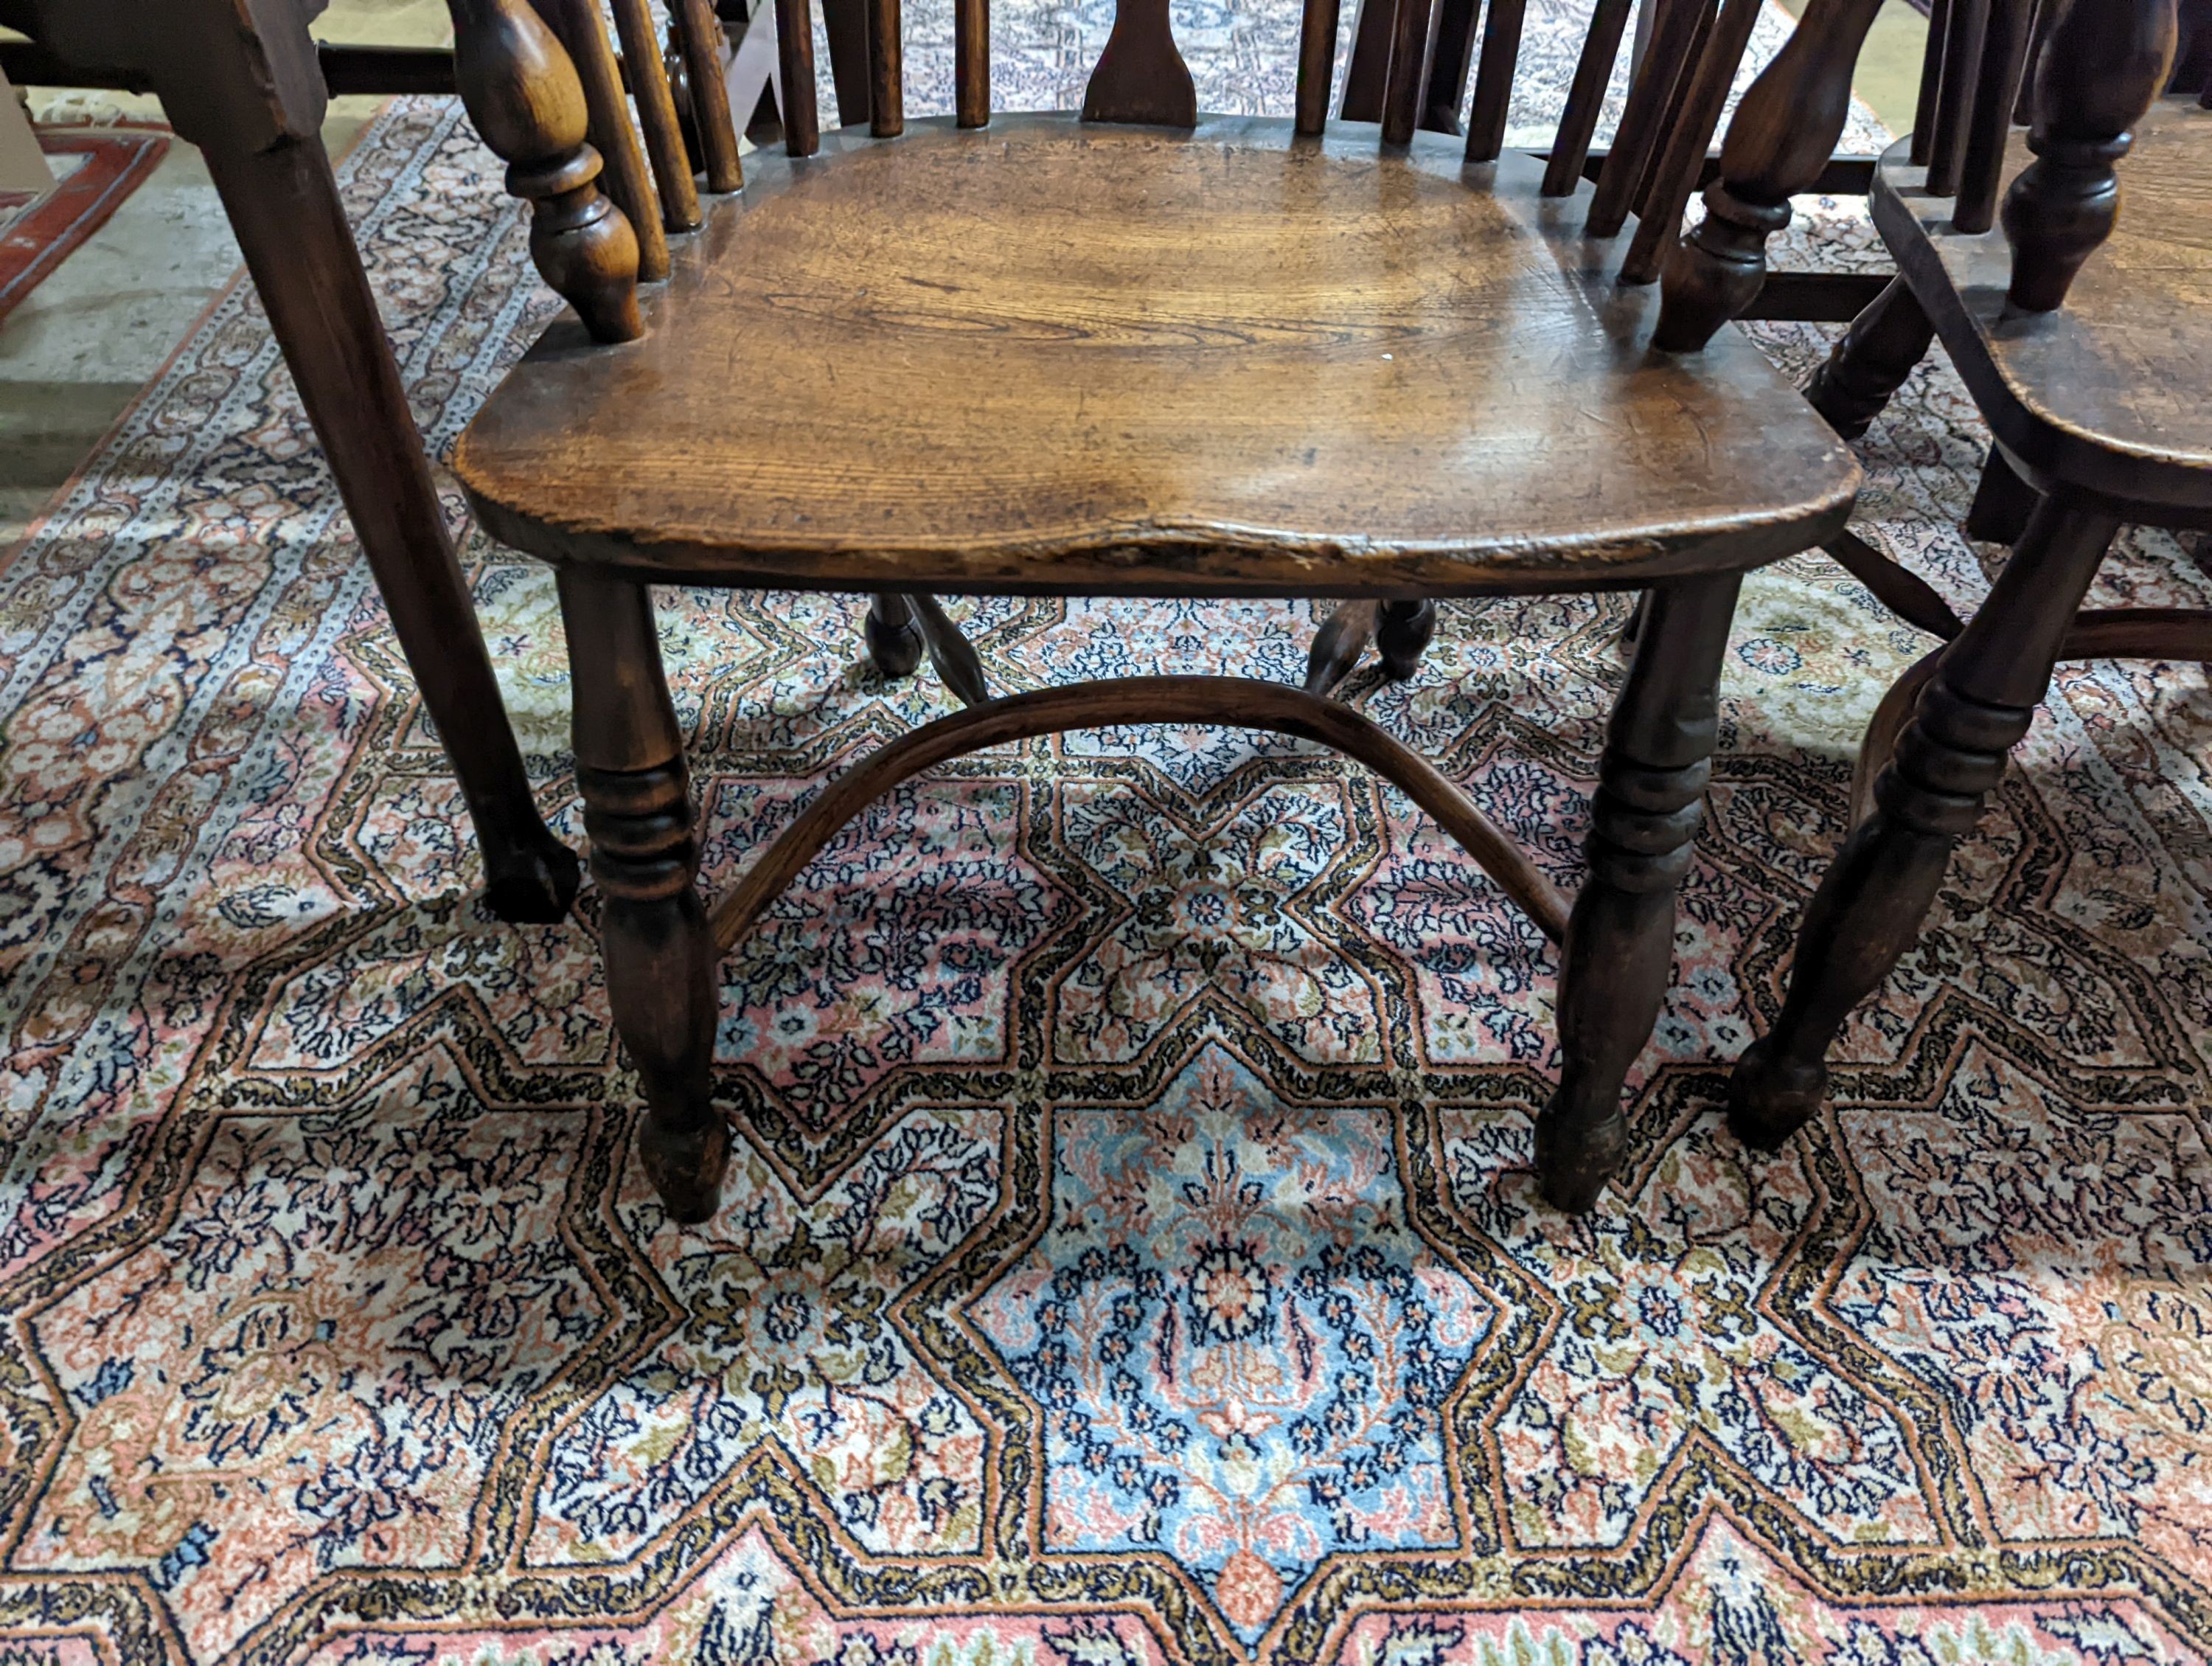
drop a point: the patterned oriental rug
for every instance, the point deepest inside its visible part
(1132, 1254)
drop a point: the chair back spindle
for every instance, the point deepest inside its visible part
(1570, 148)
(1781, 137)
(522, 92)
(886, 70)
(794, 47)
(2103, 62)
(701, 38)
(1932, 81)
(1689, 137)
(971, 63)
(1955, 102)
(2005, 51)
(656, 116)
(2023, 104)
(1671, 50)
(1318, 21)
(1493, 79)
(1141, 77)
(579, 26)
(1678, 100)
(1403, 82)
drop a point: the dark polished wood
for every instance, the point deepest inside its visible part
(894, 638)
(1781, 134)
(653, 932)
(2104, 62)
(2085, 393)
(700, 37)
(1442, 310)
(656, 116)
(1692, 118)
(1668, 59)
(1619, 949)
(1570, 147)
(248, 90)
(579, 27)
(886, 70)
(1338, 645)
(1975, 706)
(1493, 78)
(1871, 360)
(1141, 77)
(795, 39)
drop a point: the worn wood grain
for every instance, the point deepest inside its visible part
(1106, 360)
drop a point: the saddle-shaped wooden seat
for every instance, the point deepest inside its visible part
(1054, 356)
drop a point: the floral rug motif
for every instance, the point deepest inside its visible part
(1132, 1253)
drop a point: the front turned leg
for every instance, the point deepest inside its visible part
(1620, 950)
(1872, 360)
(1949, 757)
(659, 950)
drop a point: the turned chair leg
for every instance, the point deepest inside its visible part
(1872, 360)
(1399, 631)
(1620, 950)
(658, 948)
(1977, 703)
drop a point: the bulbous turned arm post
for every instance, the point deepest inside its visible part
(522, 92)
(1781, 137)
(2103, 62)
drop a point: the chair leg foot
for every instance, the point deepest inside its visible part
(1337, 645)
(1573, 1165)
(1402, 632)
(894, 643)
(1770, 1097)
(532, 880)
(685, 1165)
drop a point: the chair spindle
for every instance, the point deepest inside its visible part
(1931, 82)
(522, 92)
(971, 62)
(1954, 104)
(1402, 86)
(2023, 104)
(1570, 148)
(1690, 136)
(583, 31)
(2103, 64)
(1451, 58)
(794, 48)
(1677, 100)
(656, 116)
(2004, 50)
(1493, 79)
(1780, 139)
(1318, 21)
(886, 70)
(702, 39)
(1643, 122)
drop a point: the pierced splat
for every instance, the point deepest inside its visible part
(1141, 78)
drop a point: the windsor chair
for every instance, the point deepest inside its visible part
(2079, 342)
(1139, 351)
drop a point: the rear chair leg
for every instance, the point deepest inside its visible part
(1872, 360)
(659, 951)
(1620, 950)
(1402, 631)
